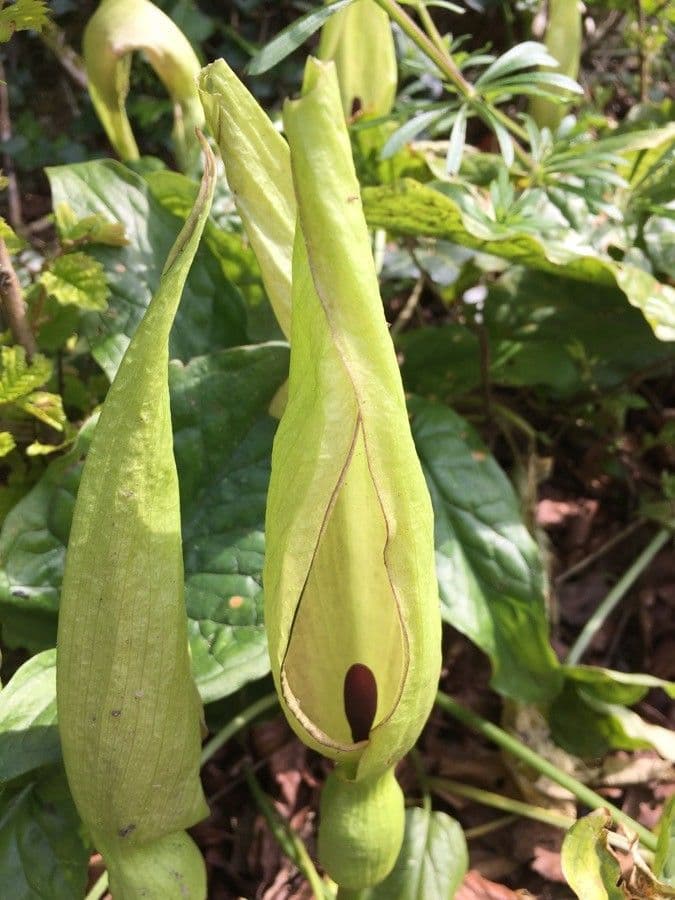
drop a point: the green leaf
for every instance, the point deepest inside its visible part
(78, 280)
(239, 265)
(46, 407)
(90, 230)
(42, 855)
(18, 378)
(7, 443)
(456, 143)
(21, 16)
(664, 863)
(28, 733)
(417, 209)
(489, 569)
(432, 863)
(292, 37)
(222, 444)
(211, 313)
(590, 869)
(13, 242)
(522, 56)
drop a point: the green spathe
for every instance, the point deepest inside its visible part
(258, 169)
(115, 31)
(349, 573)
(360, 42)
(128, 711)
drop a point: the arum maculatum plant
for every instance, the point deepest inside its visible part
(351, 603)
(128, 711)
(115, 31)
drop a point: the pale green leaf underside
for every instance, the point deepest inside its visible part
(590, 869)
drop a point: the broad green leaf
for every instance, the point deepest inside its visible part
(89, 230)
(176, 193)
(417, 209)
(258, 169)
(115, 31)
(42, 853)
(7, 443)
(625, 688)
(123, 676)
(634, 727)
(222, 443)
(21, 16)
(292, 37)
(28, 733)
(489, 569)
(19, 378)
(664, 863)
(590, 869)
(212, 311)
(432, 863)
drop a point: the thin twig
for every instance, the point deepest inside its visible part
(13, 306)
(616, 595)
(643, 57)
(531, 758)
(409, 306)
(237, 723)
(15, 214)
(99, 888)
(54, 38)
(595, 556)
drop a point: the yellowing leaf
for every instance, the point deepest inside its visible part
(46, 407)
(13, 242)
(77, 279)
(90, 230)
(22, 15)
(7, 443)
(590, 869)
(18, 378)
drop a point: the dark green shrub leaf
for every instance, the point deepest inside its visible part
(42, 855)
(489, 568)
(211, 313)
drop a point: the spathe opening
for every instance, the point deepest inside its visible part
(346, 659)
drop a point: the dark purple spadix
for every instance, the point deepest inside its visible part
(360, 694)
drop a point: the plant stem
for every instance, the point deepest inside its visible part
(605, 548)
(513, 746)
(430, 26)
(12, 304)
(616, 594)
(292, 845)
(441, 59)
(236, 724)
(99, 888)
(499, 801)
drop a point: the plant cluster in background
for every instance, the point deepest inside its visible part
(521, 210)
